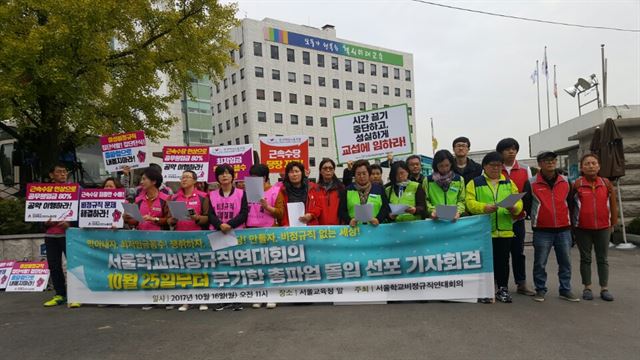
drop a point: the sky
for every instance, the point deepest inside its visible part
(472, 71)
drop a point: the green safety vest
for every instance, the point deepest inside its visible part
(408, 198)
(353, 199)
(437, 196)
(501, 220)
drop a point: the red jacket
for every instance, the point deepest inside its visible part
(330, 201)
(549, 205)
(313, 205)
(519, 175)
(596, 205)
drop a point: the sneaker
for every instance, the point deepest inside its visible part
(523, 289)
(271, 305)
(256, 306)
(55, 301)
(587, 294)
(606, 295)
(503, 295)
(220, 307)
(539, 296)
(486, 300)
(74, 305)
(567, 295)
(184, 307)
(237, 307)
(203, 307)
(147, 307)
(170, 307)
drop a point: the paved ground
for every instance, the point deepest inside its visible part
(554, 329)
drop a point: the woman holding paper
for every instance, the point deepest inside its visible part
(196, 202)
(330, 189)
(261, 214)
(444, 187)
(362, 192)
(298, 193)
(151, 202)
(484, 193)
(407, 198)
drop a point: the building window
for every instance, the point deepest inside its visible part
(274, 52)
(293, 98)
(243, 95)
(259, 72)
(349, 85)
(385, 71)
(236, 122)
(374, 70)
(241, 50)
(235, 100)
(396, 92)
(336, 83)
(220, 128)
(229, 142)
(323, 101)
(410, 128)
(407, 75)
(306, 59)
(363, 106)
(349, 105)
(260, 94)
(307, 100)
(226, 104)
(275, 74)
(347, 65)
(214, 130)
(320, 60)
(312, 141)
(277, 118)
(292, 77)
(237, 141)
(307, 79)
(232, 55)
(226, 83)
(336, 103)
(262, 135)
(217, 88)
(361, 87)
(374, 106)
(294, 119)
(334, 63)
(360, 67)
(228, 123)
(233, 78)
(277, 96)
(321, 81)
(257, 48)
(385, 90)
(323, 122)
(308, 120)
(246, 139)
(312, 161)
(262, 116)
(408, 93)
(242, 73)
(324, 142)
(374, 88)
(410, 110)
(291, 55)
(244, 118)
(219, 108)
(396, 73)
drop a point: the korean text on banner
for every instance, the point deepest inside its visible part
(178, 159)
(125, 149)
(277, 151)
(101, 208)
(50, 201)
(28, 276)
(240, 157)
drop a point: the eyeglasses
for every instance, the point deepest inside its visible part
(461, 145)
(327, 168)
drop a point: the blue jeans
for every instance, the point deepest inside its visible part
(542, 244)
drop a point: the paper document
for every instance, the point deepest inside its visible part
(364, 213)
(254, 186)
(511, 200)
(179, 210)
(219, 240)
(133, 211)
(295, 211)
(446, 212)
(398, 209)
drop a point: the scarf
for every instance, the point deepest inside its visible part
(363, 192)
(328, 186)
(297, 194)
(443, 180)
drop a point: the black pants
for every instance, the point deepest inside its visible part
(501, 250)
(55, 248)
(517, 253)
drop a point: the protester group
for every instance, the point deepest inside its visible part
(562, 212)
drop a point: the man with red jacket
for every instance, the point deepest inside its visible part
(548, 200)
(511, 169)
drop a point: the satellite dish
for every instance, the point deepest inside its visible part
(571, 91)
(583, 84)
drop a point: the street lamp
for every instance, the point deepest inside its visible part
(582, 86)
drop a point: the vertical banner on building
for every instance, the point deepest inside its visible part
(101, 208)
(277, 151)
(49, 201)
(28, 276)
(177, 159)
(5, 272)
(240, 157)
(125, 149)
(372, 134)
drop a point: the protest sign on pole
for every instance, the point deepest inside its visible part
(49, 201)
(277, 151)
(101, 208)
(240, 157)
(28, 276)
(125, 149)
(177, 159)
(372, 134)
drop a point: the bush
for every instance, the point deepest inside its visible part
(12, 218)
(634, 226)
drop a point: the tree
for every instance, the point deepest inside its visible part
(73, 69)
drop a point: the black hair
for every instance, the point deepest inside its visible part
(221, 169)
(57, 165)
(491, 157)
(376, 167)
(414, 157)
(393, 173)
(154, 175)
(260, 170)
(324, 161)
(461, 139)
(115, 181)
(360, 163)
(156, 166)
(440, 156)
(193, 173)
(507, 143)
(290, 167)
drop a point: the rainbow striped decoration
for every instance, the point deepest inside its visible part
(276, 35)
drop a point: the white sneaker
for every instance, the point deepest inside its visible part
(256, 306)
(271, 305)
(184, 307)
(204, 307)
(147, 307)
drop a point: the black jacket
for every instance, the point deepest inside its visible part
(469, 172)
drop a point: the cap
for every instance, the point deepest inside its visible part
(543, 155)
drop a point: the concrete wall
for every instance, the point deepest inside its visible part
(19, 247)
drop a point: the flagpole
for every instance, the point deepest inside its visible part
(546, 74)
(538, 86)
(433, 136)
(555, 93)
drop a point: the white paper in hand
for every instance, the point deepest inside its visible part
(446, 212)
(364, 213)
(295, 211)
(511, 200)
(179, 210)
(133, 211)
(254, 186)
(219, 240)
(398, 209)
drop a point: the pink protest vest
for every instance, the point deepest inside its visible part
(258, 217)
(155, 210)
(227, 208)
(192, 202)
